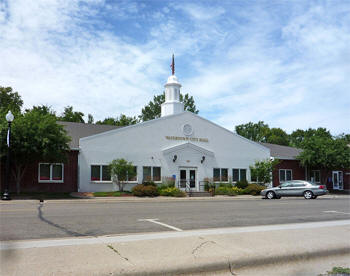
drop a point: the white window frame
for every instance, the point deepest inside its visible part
(239, 174)
(99, 181)
(311, 175)
(136, 181)
(220, 169)
(285, 174)
(51, 180)
(158, 181)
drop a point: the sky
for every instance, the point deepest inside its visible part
(286, 63)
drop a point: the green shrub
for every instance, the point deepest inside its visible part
(339, 271)
(171, 191)
(149, 183)
(227, 190)
(145, 190)
(254, 189)
(225, 185)
(242, 184)
(237, 191)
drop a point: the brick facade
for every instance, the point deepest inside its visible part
(298, 172)
(30, 182)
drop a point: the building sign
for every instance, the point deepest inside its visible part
(193, 139)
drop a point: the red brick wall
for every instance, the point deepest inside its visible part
(30, 181)
(327, 178)
(298, 172)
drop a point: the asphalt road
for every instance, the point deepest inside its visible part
(54, 219)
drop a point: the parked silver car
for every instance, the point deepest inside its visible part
(295, 188)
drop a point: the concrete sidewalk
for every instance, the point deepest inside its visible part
(224, 250)
(162, 199)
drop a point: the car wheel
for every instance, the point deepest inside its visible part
(308, 195)
(270, 195)
(314, 197)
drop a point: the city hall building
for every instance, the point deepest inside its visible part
(179, 145)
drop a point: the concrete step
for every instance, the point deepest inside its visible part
(198, 194)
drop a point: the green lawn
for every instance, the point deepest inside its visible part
(111, 194)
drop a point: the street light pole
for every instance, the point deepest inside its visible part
(6, 194)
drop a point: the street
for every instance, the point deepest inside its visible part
(69, 218)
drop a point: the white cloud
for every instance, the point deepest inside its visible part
(285, 64)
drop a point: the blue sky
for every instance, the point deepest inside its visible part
(283, 62)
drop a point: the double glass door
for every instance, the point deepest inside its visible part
(188, 178)
(337, 180)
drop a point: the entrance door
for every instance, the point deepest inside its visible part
(337, 180)
(188, 178)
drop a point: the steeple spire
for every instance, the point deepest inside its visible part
(173, 66)
(172, 104)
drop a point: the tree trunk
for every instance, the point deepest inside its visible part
(18, 175)
(121, 186)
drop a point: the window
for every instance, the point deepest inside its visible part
(100, 173)
(285, 175)
(50, 172)
(152, 174)
(135, 177)
(220, 175)
(315, 176)
(239, 175)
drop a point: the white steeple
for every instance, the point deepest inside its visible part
(172, 104)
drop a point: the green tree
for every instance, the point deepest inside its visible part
(153, 109)
(72, 116)
(43, 109)
(277, 136)
(122, 120)
(297, 137)
(90, 119)
(261, 132)
(35, 137)
(121, 171)
(256, 132)
(9, 100)
(262, 170)
(325, 153)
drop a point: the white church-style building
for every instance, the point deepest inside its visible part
(179, 145)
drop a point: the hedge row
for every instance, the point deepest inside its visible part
(151, 189)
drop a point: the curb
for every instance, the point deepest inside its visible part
(231, 264)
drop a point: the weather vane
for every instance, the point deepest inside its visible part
(173, 66)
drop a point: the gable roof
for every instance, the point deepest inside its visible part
(282, 152)
(80, 130)
(188, 145)
(259, 145)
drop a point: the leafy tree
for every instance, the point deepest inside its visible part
(35, 136)
(122, 120)
(9, 100)
(261, 132)
(297, 137)
(121, 171)
(256, 132)
(153, 109)
(325, 153)
(72, 116)
(90, 119)
(277, 136)
(262, 170)
(345, 137)
(43, 109)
